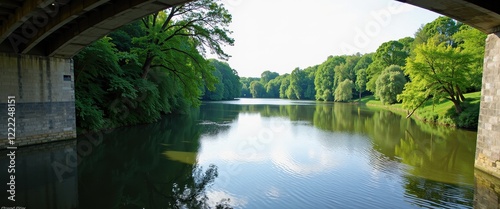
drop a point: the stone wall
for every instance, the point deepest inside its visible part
(488, 135)
(44, 92)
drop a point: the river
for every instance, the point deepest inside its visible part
(260, 153)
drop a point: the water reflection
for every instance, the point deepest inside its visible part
(36, 183)
(434, 152)
(285, 155)
(487, 191)
(150, 166)
(433, 164)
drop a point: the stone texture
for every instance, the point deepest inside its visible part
(486, 191)
(488, 135)
(45, 103)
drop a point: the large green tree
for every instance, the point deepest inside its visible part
(443, 28)
(177, 38)
(437, 70)
(390, 84)
(472, 41)
(387, 54)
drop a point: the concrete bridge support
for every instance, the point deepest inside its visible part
(44, 99)
(488, 136)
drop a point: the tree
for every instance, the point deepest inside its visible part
(364, 62)
(245, 91)
(177, 38)
(390, 84)
(284, 86)
(324, 79)
(437, 70)
(267, 76)
(245, 86)
(309, 88)
(361, 80)
(442, 27)
(472, 41)
(257, 89)
(298, 84)
(228, 85)
(216, 93)
(343, 93)
(273, 87)
(387, 54)
(122, 38)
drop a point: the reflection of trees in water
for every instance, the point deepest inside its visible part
(445, 160)
(193, 194)
(128, 169)
(438, 156)
(486, 190)
(438, 194)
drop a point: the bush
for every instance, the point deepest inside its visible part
(469, 117)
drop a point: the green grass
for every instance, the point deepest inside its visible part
(439, 112)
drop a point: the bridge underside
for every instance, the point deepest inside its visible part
(61, 28)
(483, 15)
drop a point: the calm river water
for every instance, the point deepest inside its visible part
(260, 153)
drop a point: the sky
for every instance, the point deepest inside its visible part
(280, 35)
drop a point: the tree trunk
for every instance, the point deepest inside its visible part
(462, 98)
(146, 66)
(458, 107)
(360, 96)
(413, 111)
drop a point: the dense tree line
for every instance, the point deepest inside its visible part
(155, 66)
(442, 61)
(228, 85)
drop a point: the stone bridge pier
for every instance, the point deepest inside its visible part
(44, 99)
(488, 136)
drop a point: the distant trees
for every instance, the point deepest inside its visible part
(325, 76)
(390, 84)
(443, 60)
(267, 76)
(257, 89)
(343, 93)
(361, 80)
(228, 85)
(389, 53)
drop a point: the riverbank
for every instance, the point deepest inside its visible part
(441, 112)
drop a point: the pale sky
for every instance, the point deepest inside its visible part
(280, 35)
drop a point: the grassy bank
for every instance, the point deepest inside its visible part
(440, 112)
